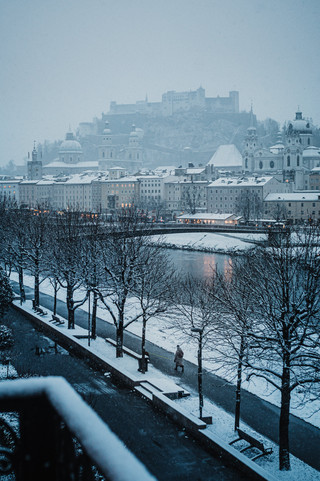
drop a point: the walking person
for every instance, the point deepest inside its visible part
(178, 358)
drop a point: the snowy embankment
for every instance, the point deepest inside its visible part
(162, 332)
(221, 243)
(223, 421)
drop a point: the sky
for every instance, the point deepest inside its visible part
(64, 61)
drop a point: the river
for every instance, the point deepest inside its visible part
(199, 264)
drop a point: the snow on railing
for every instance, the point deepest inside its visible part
(104, 449)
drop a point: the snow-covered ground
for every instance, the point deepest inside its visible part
(162, 333)
(223, 422)
(223, 242)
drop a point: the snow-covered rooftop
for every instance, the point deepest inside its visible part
(195, 170)
(311, 152)
(226, 156)
(210, 216)
(242, 181)
(81, 179)
(82, 165)
(293, 197)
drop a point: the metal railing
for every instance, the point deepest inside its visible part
(48, 432)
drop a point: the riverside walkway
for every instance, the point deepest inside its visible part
(261, 415)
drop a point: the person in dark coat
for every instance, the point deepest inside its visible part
(178, 358)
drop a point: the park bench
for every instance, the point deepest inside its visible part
(131, 353)
(128, 351)
(253, 443)
(46, 350)
(56, 320)
(40, 311)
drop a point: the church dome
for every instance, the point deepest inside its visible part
(300, 125)
(70, 145)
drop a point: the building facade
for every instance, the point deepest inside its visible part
(174, 102)
(225, 194)
(296, 207)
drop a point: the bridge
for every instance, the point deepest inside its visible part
(161, 229)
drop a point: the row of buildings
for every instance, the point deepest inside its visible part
(281, 181)
(168, 192)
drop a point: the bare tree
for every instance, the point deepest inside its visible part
(36, 229)
(120, 261)
(16, 246)
(248, 205)
(284, 285)
(154, 282)
(279, 212)
(230, 344)
(67, 258)
(94, 244)
(191, 197)
(196, 317)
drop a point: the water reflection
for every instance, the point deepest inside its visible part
(199, 264)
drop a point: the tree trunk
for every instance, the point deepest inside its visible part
(55, 298)
(238, 386)
(143, 346)
(37, 287)
(70, 307)
(94, 316)
(21, 286)
(119, 339)
(284, 454)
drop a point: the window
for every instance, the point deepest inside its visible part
(260, 164)
(288, 161)
(298, 160)
(271, 164)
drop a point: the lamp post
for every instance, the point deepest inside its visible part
(200, 332)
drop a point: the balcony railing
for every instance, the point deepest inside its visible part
(48, 432)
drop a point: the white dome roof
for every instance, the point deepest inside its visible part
(70, 146)
(301, 126)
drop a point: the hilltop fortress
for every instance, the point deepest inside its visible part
(173, 102)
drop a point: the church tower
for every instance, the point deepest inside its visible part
(34, 165)
(106, 148)
(134, 151)
(250, 146)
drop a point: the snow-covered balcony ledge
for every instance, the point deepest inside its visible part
(53, 434)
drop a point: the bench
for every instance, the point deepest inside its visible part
(40, 311)
(253, 443)
(128, 351)
(46, 350)
(56, 320)
(135, 355)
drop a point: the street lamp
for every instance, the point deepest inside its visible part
(200, 332)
